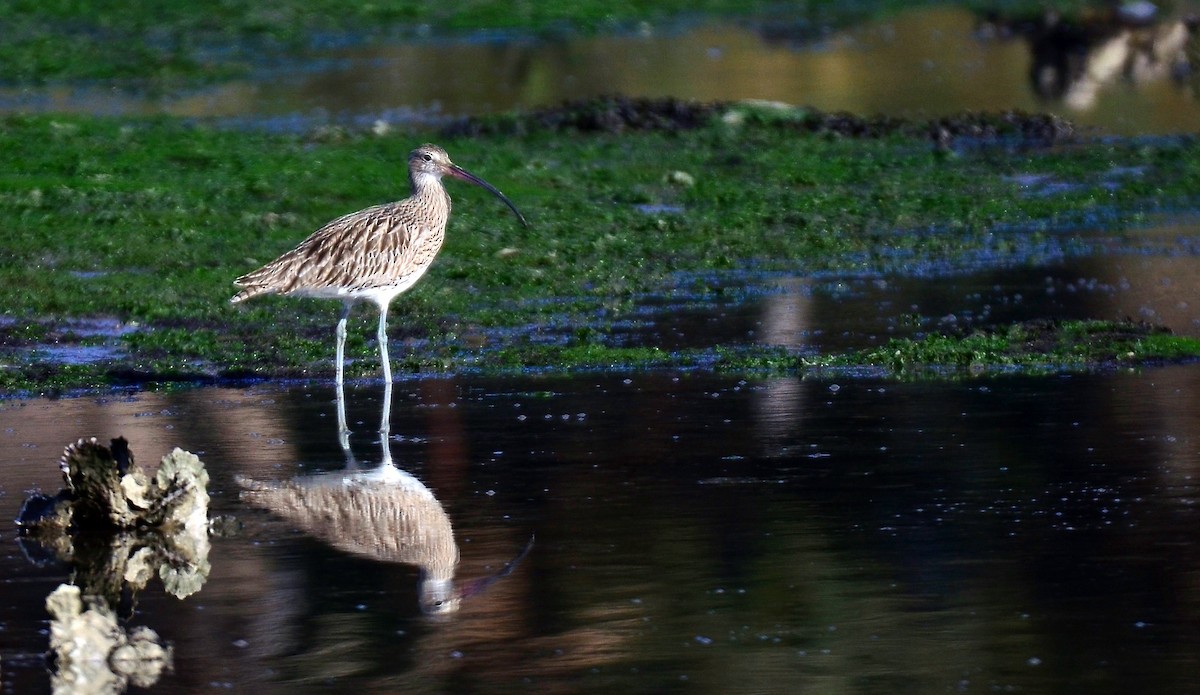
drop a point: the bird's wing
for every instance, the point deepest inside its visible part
(363, 249)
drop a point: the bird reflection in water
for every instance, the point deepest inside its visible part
(381, 513)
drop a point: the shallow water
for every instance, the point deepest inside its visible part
(921, 63)
(694, 532)
(1146, 274)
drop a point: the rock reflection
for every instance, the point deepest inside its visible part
(786, 321)
(787, 314)
(1073, 61)
(92, 651)
(382, 513)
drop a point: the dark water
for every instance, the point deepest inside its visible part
(920, 63)
(692, 533)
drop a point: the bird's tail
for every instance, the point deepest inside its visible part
(253, 284)
(249, 292)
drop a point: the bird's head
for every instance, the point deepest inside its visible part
(431, 160)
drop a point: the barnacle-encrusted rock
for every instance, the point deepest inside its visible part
(120, 525)
(108, 483)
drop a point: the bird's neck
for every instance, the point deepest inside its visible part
(429, 188)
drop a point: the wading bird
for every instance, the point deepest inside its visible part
(373, 254)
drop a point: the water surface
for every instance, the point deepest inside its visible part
(718, 535)
(1145, 274)
(921, 63)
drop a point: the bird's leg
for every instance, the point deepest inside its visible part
(383, 344)
(385, 418)
(343, 430)
(340, 332)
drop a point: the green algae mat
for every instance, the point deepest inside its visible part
(122, 236)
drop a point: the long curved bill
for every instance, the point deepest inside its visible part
(477, 586)
(459, 173)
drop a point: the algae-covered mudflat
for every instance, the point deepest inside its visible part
(122, 234)
(139, 227)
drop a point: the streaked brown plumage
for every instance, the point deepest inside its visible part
(373, 254)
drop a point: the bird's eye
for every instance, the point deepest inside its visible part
(428, 157)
